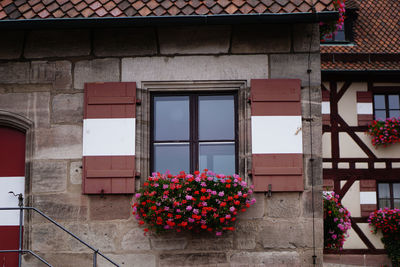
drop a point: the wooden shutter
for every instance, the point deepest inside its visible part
(277, 159)
(109, 138)
(364, 108)
(367, 197)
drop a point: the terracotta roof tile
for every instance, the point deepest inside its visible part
(360, 65)
(23, 9)
(376, 29)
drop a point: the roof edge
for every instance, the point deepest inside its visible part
(169, 20)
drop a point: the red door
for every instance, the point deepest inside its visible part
(12, 178)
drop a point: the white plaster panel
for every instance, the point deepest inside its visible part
(326, 107)
(348, 148)
(374, 238)
(367, 197)
(391, 151)
(343, 165)
(361, 165)
(351, 200)
(276, 134)
(348, 103)
(364, 108)
(353, 241)
(188, 68)
(7, 184)
(379, 165)
(109, 137)
(327, 165)
(326, 145)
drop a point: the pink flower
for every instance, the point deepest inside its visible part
(189, 208)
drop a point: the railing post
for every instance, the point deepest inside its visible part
(95, 258)
(21, 216)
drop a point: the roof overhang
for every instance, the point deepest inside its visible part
(169, 20)
(361, 75)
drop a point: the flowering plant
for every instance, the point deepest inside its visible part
(388, 221)
(200, 202)
(385, 132)
(336, 221)
(327, 28)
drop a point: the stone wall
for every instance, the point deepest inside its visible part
(42, 75)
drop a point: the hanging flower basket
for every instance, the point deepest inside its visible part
(336, 222)
(385, 132)
(327, 28)
(388, 221)
(199, 202)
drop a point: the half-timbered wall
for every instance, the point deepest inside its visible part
(352, 166)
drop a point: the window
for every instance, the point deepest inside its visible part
(386, 106)
(336, 37)
(389, 195)
(194, 131)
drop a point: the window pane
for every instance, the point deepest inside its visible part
(397, 203)
(172, 157)
(384, 191)
(396, 190)
(340, 36)
(217, 157)
(171, 114)
(394, 101)
(384, 203)
(394, 113)
(379, 101)
(380, 114)
(216, 118)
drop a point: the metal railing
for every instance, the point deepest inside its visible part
(20, 250)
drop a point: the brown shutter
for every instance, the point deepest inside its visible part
(109, 156)
(277, 159)
(367, 206)
(364, 117)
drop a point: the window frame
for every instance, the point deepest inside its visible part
(194, 140)
(387, 109)
(391, 197)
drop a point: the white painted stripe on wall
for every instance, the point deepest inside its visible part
(326, 107)
(367, 197)
(7, 184)
(109, 137)
(276, 134)
(364, 108)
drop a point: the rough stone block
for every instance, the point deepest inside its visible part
(303, 34)
(168, 241)
(261, 39)
(49, 176)
(307, 257)
(286, 234)
(235, 67)
(75, 172)
(131, 260)
(11, 44)
(59, 259)
(58, 73)
(61, 207)
(134, 239)
(255, 211)
(281, 258)
(98, 70)
(14, 72)
(209, 241)
(58, 142)
(67, 108)
(283, 205)
(25, 88)
(34, 106)
(246, 234)
(294, 66)
(125, 42)
(194, 39)
(57, 43)
(110, 207)
(306, 200)
(192, 259)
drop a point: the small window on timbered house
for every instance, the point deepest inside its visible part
(386, 106)
(194, 131)
(389, 195)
